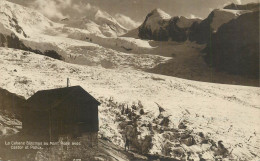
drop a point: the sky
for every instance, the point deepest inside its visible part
(135, 9)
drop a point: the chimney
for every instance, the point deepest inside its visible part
(68, 82)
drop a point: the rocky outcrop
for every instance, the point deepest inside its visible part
(12, 41)
(249, 6)
(159, 26)
(11, 103)
(155, 26)
(202, 32)
(13, 24)
(179, 28)
(235, 46)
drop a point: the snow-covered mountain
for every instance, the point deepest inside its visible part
(249, 6)
(61, 41)
(98, 22)
(160, 26)
(82, 46)
(21, 20)
(126, 21)
(201, 32)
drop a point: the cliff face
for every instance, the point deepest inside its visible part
(159, 26)
(249, 6)
(235, 46)
(201, 32)
(155, 26)
(12, 41)
(179, 28)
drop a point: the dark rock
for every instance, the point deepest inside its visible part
(53, 54)
(189, 141)
(182, 126)
(235, 46)
(11, 103)
(165, 121)
(204, 141)
(168, 28)
(249, 6)
(141, 112)
(14, 24)
(12, 41)
(179, 32)
(201, 135)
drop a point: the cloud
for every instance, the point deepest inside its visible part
(127, 22)
(59, 9)
(238, 1)
(192, 16)
(84, 8)
(51, 8)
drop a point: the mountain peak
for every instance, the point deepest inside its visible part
(157, 12)
(103, 14)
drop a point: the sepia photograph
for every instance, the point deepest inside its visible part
(129, 80)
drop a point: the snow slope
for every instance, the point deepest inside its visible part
(221, 112)
(98, 22)
(23, 16)
(70, 42)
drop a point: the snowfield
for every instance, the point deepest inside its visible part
(225, 113)
(75, 45)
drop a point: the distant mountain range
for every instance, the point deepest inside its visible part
(99, 22)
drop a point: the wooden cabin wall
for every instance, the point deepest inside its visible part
(88, 118)
(36, 123)
(65, 119)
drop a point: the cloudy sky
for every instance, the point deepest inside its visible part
(136, 9)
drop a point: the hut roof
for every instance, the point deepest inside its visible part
(46, 99)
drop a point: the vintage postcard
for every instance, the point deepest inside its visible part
(129, 80)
